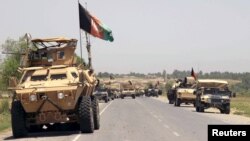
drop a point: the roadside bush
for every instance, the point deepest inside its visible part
(4, 106)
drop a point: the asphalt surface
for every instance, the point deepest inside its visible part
(140, 119)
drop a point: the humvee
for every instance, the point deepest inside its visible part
(114, 90)
(102, 94)
(153, 90)
(127, 90)
(184, 93)
(53, 89)
(213, 93)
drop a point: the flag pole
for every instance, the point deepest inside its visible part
(88, 45)
(80, 34)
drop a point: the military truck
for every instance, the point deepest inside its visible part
(102, 94)
(128, 90)
(114, 90)
(184, 93)
(53, 89)
(153, 90)
(213, 93)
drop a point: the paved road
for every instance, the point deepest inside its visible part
(144, 119)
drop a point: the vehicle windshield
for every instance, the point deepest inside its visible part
(216, 91)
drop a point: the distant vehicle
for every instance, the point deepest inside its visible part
(128, 90)
(53, 90)
(102, 94)
(213, 93)
(153, 90)
(184, 93)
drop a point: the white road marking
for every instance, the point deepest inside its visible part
(159, 120)
(176, 134)
(78, 136)
(106, 107)
(155, 116)
(166, 126)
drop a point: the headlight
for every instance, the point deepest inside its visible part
(60, 95)
(33, 97)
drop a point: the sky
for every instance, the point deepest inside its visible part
(149, 36)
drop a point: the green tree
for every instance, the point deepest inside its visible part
(9, 67)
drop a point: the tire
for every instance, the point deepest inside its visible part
(133, 96)
(197, 109)
(18, 120)
(226, 109)
(85, 115)
(106, 99)
(202, 109)
(177, 102)
(96, 114)
(122, 97)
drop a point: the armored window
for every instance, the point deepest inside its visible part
(60, 55)
(58, 76)
(74, 74)
(38, 77)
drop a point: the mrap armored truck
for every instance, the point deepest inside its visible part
(53, 89)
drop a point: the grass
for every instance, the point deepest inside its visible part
(241, 104)
(4, 114)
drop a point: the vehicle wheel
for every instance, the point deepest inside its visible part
(202, 109)
(197, 109)
(85, 115)
(177, 102)
(18, 120)
(226, 109)
(106, 99)
(96, 115)
(122, 97)
(133, 96)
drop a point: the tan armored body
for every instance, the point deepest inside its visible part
(53, 89)
(213, 93)
(128, 90)
(184, 93)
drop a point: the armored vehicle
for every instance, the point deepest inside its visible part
(53, 89)
(102, 94)
(127, 90)
(153, 90)
(114, 90)
(213, 93)
(184, 93)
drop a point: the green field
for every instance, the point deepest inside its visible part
(242, 105)
(4, 114)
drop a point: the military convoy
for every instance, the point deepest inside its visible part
(203, 93)
(53, 89)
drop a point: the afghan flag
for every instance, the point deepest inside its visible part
(193, 74)
(94, 26)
